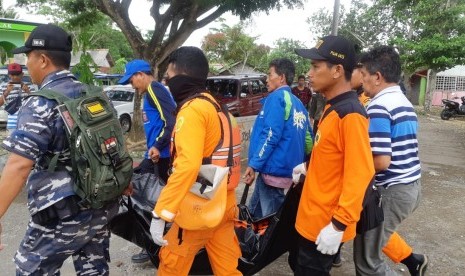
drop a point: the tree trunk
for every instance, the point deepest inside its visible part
(137, 131)
(430, 87)
(408, 86)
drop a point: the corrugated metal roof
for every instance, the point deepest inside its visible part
(458, 70)
(98, 55)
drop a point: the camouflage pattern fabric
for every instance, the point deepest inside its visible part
(85, 237)
(40, 135)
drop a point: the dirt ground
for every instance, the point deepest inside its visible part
(437, 228)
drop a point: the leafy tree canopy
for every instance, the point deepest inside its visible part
(285, 48)
(229, 45)
(174, 20)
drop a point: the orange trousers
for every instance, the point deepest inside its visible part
(396, 248)
(220, 242)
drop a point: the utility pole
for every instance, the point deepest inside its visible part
(335, 23)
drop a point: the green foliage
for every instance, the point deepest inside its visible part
(174, 20)
(119, 66)
(230, 45)
(285, 48)
(7, 13)
(362, 25)
(86, 67)
(82, 15)
(428, 33)
(434, 39)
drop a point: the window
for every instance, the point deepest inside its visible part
(222, 88)
(120, 95)
(448, 83)
(245, 87)
(256, 87)
(460, 84)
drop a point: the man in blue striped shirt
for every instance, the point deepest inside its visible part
(394, 144)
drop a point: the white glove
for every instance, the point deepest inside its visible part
(156, 230)
(297, 171)
(329, 239)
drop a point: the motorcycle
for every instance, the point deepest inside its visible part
(453, 109)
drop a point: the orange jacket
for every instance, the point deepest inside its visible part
(341, 167)
(196, 135)
(364, 100)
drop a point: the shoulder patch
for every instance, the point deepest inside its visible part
(351, 107)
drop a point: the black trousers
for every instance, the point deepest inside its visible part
(315, 126)
(310, 261)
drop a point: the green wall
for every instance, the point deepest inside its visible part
(13, 33)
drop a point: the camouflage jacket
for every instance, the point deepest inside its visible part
(40, 134)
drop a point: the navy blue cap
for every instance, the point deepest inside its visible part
(47, 37)
(335, 49)
(133, 67)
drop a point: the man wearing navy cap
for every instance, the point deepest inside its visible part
(341, 165)
(158, 116)
(59, 227)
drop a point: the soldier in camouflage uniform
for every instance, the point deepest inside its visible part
(59, 227)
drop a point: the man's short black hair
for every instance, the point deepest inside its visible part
(301, 77)
(60, 59)
(347, 74)
(385, 60)
(284, 66)
(190, 61)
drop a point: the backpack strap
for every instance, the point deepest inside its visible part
(219, 108)
(60, 99)
(222, 108)
(51, 95)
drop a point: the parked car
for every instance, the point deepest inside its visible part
(3, 117)
(240, 93)
(122, 97)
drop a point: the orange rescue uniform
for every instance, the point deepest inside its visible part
(196, 134)
(341, 167)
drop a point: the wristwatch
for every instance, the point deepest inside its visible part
(154, 216)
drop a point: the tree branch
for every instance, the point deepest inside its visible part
(118, 12)
(212, 17)
(162, 22)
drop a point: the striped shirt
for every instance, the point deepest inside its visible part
(393, 132)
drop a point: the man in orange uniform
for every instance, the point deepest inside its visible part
(341, 165)
(196, 134)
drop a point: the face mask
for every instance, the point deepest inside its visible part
(183, 87)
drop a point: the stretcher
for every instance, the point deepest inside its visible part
(262, 241)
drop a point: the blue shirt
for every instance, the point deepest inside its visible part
(281, 135)
(158, 114)
(393, 132)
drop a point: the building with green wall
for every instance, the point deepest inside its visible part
(13, 33)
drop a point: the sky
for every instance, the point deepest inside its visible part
(268, 28)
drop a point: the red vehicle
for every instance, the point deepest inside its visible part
(241, 94)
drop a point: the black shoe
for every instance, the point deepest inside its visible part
(419, 268)
(337, 262)
(141, 257)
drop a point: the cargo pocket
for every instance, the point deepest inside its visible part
(173, 258)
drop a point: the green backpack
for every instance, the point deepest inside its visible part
(102, 166)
